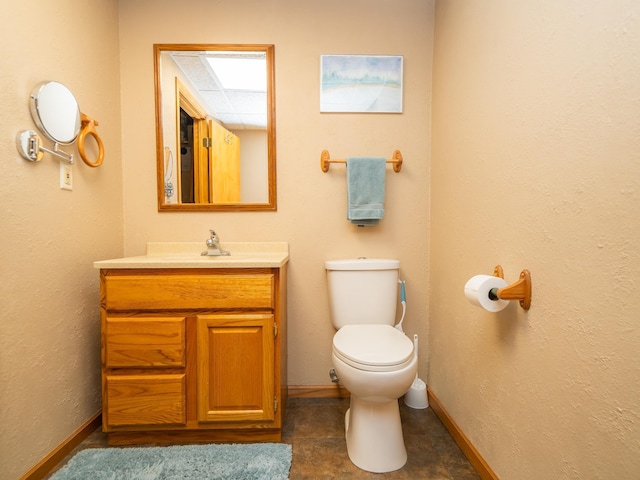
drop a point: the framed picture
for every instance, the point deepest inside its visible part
(361, 83)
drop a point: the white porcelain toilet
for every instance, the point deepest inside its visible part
(372, 359)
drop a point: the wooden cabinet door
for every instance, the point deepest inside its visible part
(236, 367)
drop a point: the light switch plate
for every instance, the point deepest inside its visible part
(66, 177)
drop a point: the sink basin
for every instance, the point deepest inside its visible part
(189, 255)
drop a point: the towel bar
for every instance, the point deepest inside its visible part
(325, 160)
(89, 128)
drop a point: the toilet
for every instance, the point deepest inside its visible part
(374, 361)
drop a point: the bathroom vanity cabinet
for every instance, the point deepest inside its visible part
(193, 354)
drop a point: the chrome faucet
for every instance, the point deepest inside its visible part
(213, 246)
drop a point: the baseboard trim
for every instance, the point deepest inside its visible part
(45, 465)
(317, 391)
(474, 457)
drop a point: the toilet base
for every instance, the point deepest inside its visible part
(374, 436)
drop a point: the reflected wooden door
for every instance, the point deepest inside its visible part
(224, 158)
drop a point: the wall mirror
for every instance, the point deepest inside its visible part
(215, 127)
(56, 112)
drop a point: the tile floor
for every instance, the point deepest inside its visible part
(315, 429)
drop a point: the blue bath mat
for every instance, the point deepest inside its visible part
(268, 461)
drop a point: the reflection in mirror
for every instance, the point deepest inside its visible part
(56, 112)
(215, 127)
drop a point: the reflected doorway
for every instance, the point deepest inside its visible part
(187, 193)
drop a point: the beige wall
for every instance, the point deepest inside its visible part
(49, 325)
(311, 212)
(536, 164)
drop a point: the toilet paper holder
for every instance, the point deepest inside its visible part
(518, 290)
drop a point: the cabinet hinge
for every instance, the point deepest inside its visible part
(275, 404)
(207, 142)
(275, 330)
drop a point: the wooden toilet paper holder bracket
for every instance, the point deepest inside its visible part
(518, 290)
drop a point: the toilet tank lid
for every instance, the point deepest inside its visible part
(363, 263)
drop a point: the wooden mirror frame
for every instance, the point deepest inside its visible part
(270, 205)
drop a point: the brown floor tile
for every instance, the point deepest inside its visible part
(315, 429)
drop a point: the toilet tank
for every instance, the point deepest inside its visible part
(362, 291)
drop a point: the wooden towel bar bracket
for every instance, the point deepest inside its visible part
(325, 160)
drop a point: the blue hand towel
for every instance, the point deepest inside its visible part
(365, 190)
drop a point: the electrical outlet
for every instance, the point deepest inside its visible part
(66, 177)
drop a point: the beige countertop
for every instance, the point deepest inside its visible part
(188, 255)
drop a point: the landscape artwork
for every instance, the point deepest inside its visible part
(361, 83)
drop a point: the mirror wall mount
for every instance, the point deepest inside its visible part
(29, 146)
(193, 133)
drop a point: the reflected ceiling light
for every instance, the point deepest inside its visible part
(240, 73)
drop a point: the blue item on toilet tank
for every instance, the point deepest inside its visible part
(403, 302)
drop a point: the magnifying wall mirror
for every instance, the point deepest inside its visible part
(215, 127)
(56, 112)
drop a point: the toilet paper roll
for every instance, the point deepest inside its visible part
(477, 292)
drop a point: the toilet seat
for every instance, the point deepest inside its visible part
(374, 348)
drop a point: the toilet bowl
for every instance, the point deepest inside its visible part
(374, 361)
(377, 365)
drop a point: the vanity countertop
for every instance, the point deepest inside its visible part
(188, 255)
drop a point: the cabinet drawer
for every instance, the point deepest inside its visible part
(189, 291)
(144, 342)
(145, 399)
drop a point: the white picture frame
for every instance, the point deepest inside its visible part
(361, 83)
